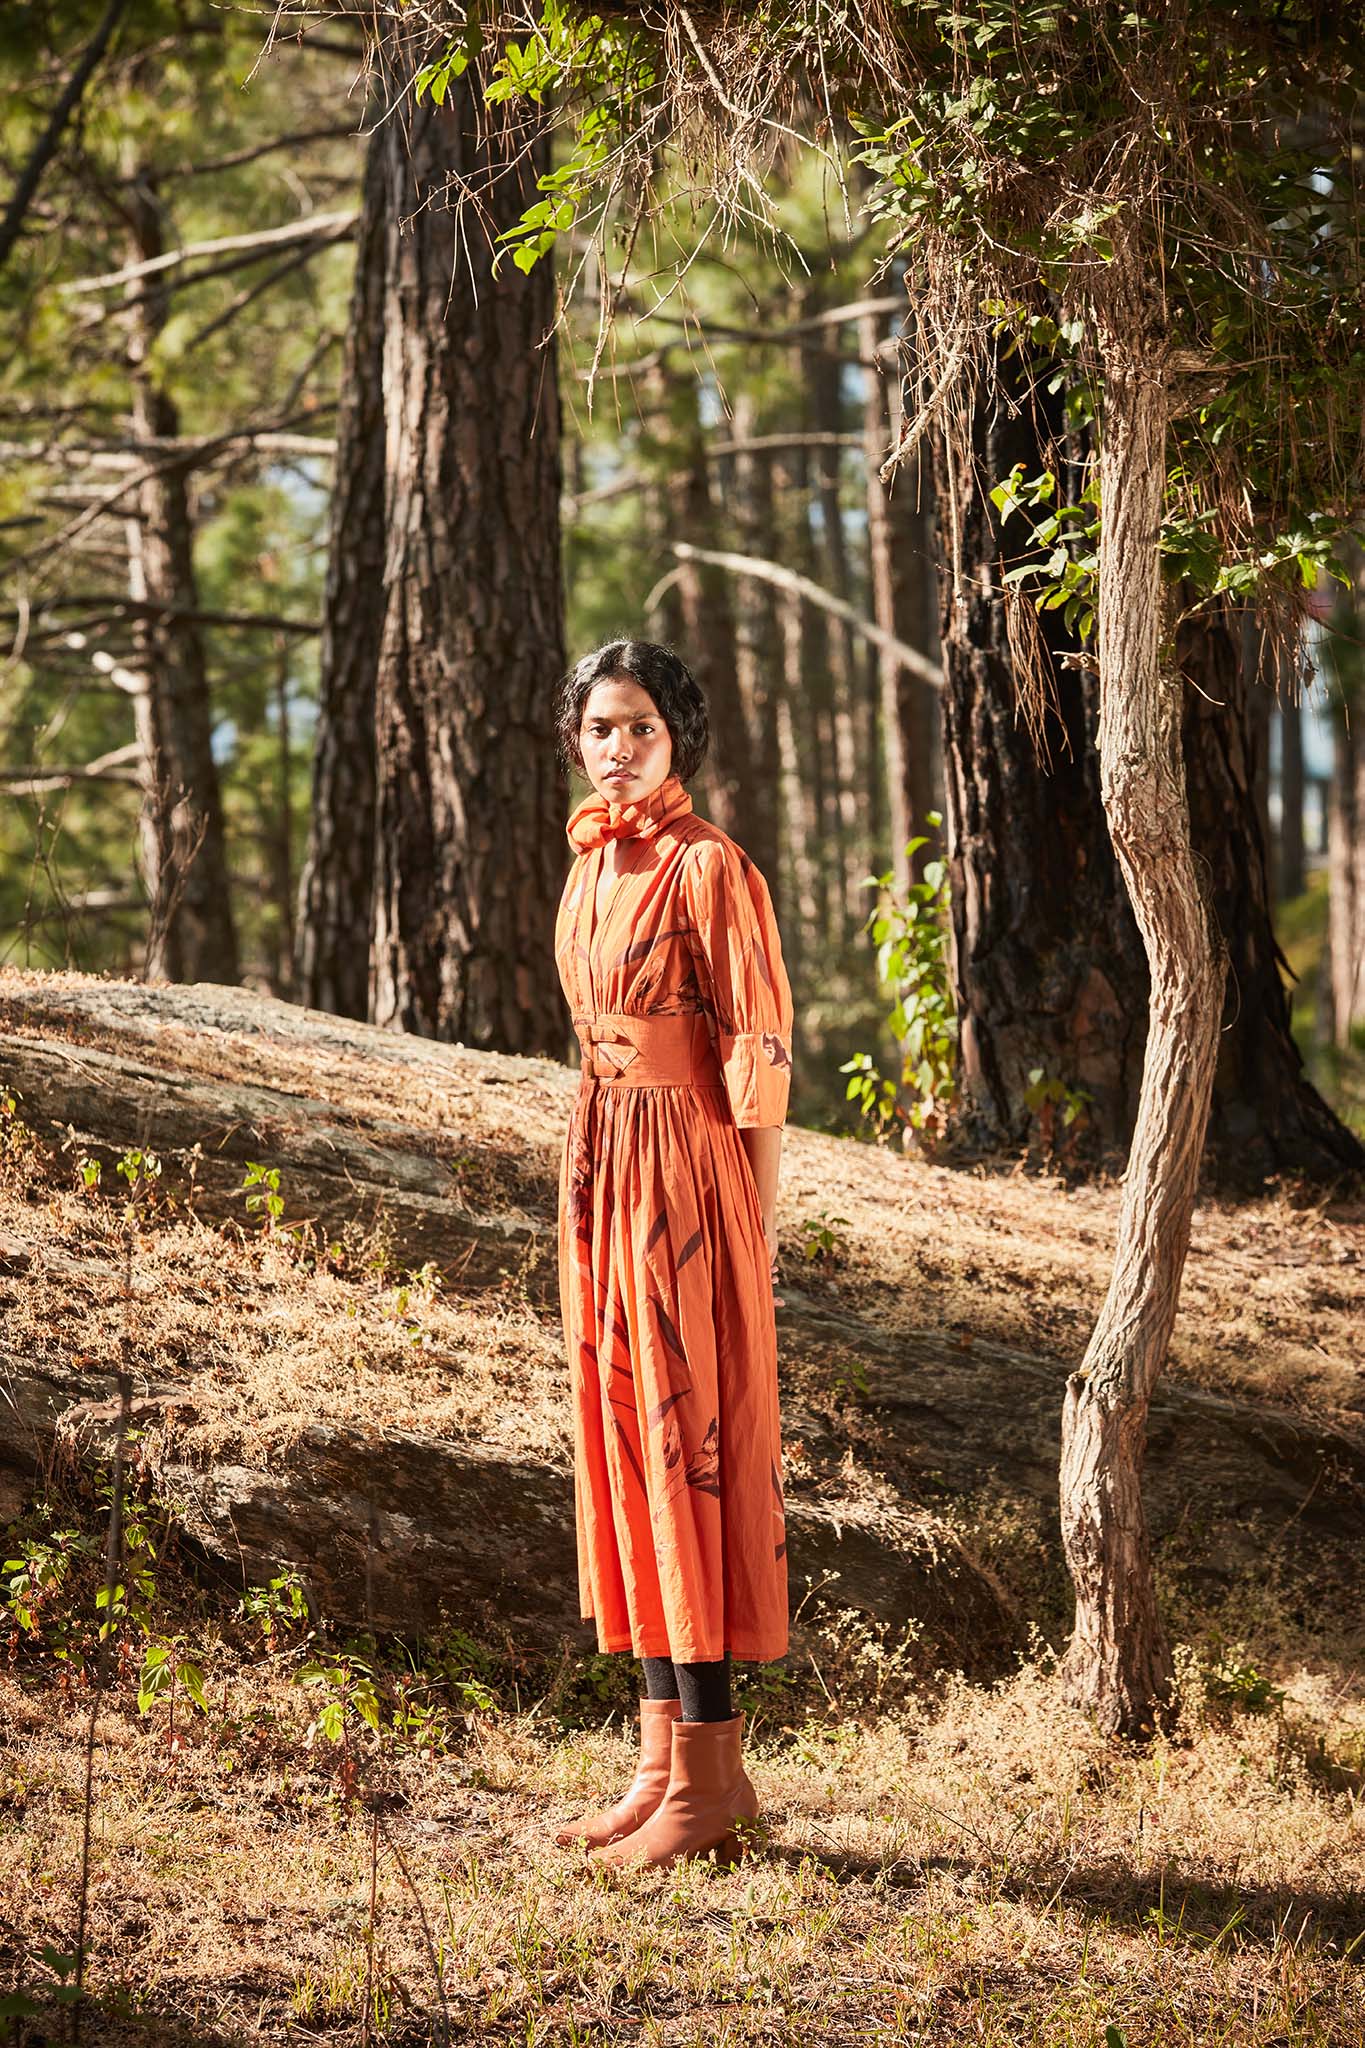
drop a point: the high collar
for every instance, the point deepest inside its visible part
(597, 819)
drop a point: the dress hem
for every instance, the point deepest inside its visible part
(687, 1653)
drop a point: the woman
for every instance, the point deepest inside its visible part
(669, 957)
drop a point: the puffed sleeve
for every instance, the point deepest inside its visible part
(738, 958)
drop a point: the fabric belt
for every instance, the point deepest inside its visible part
(648, 1052)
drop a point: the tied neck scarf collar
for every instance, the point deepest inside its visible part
(598, 819)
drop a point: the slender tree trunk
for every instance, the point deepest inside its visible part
(797, 742)
(336, 887)
(1265, 1117)
(826, 404)
(190, 934)
(758, 652)
(1292, 868)
(1118, 1665)
(470, 802)
(902, 579)
(282, 835)
(708, 623)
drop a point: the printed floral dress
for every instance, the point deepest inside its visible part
(665, 1289)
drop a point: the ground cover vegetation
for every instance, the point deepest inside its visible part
(300, 1823)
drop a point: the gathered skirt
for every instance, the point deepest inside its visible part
(671, 1340)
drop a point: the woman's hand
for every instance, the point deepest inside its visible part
(770, 1238)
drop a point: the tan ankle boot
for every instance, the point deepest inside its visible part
(645, 1789)
(708, 1791)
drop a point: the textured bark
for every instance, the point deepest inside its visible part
(1292, 871)
(848, 842)
(708, 627)
(336, 888)
(758, 652)
(1346, 824)
(190, 933)
(1118, 1665)
(1048, 966)
(1265, 1117)
(470, 802)
(900, 562)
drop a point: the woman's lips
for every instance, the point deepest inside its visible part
(622, 775)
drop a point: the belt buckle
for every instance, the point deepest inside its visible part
(610, 1053)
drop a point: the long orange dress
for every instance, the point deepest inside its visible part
(683, 1012)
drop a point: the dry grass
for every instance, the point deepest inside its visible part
(945, 1862)
(980, 1868)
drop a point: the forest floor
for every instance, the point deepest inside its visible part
(299, 1832)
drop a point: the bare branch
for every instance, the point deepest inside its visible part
(761, 571)
(317, 225)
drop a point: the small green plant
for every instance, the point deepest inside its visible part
(283, 1602)
(261, 1187)
(1242, 1685)
(137, 1168)
(823, 1238)
(91, 1171)
(36, 1579)
(166, 1672)
(1057, 1106)
(911, 938)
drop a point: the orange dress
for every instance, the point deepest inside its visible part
(683, 1011)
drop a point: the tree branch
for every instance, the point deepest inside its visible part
(760, 571)
(46, 146)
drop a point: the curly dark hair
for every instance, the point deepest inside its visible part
(665, 675)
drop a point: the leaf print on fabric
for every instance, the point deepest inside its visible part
(703, 1467)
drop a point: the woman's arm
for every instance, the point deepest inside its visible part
(763, 1143)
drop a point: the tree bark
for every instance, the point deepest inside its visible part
(1292, 869)
(190, 932)
(470, 801)
(902, 577)
(758, 652)
(1345, 977)
(708, 626)
(1048, 966)
(1118, 1664)
(1265, 1117)
(336, 887)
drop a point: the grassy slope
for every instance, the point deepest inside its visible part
(946, 1861)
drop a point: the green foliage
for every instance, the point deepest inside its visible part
(261, 1188)
(911, 938)
(1239, 1683)
(1056, 1104)
(823, 1237)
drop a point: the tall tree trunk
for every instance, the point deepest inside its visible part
(1048, 966)
(336, 887)
(282, 832)
(902, 579)
(796, 736)
(1265, 1116)
(1345, 964)
(708, 624)
(190, 934)
(758, 651)
(1292, 869)
(470, 801)
(1118, 1664)
(849, 846)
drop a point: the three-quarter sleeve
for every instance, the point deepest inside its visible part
(738, 958)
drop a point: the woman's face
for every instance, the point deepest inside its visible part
(621, 730)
